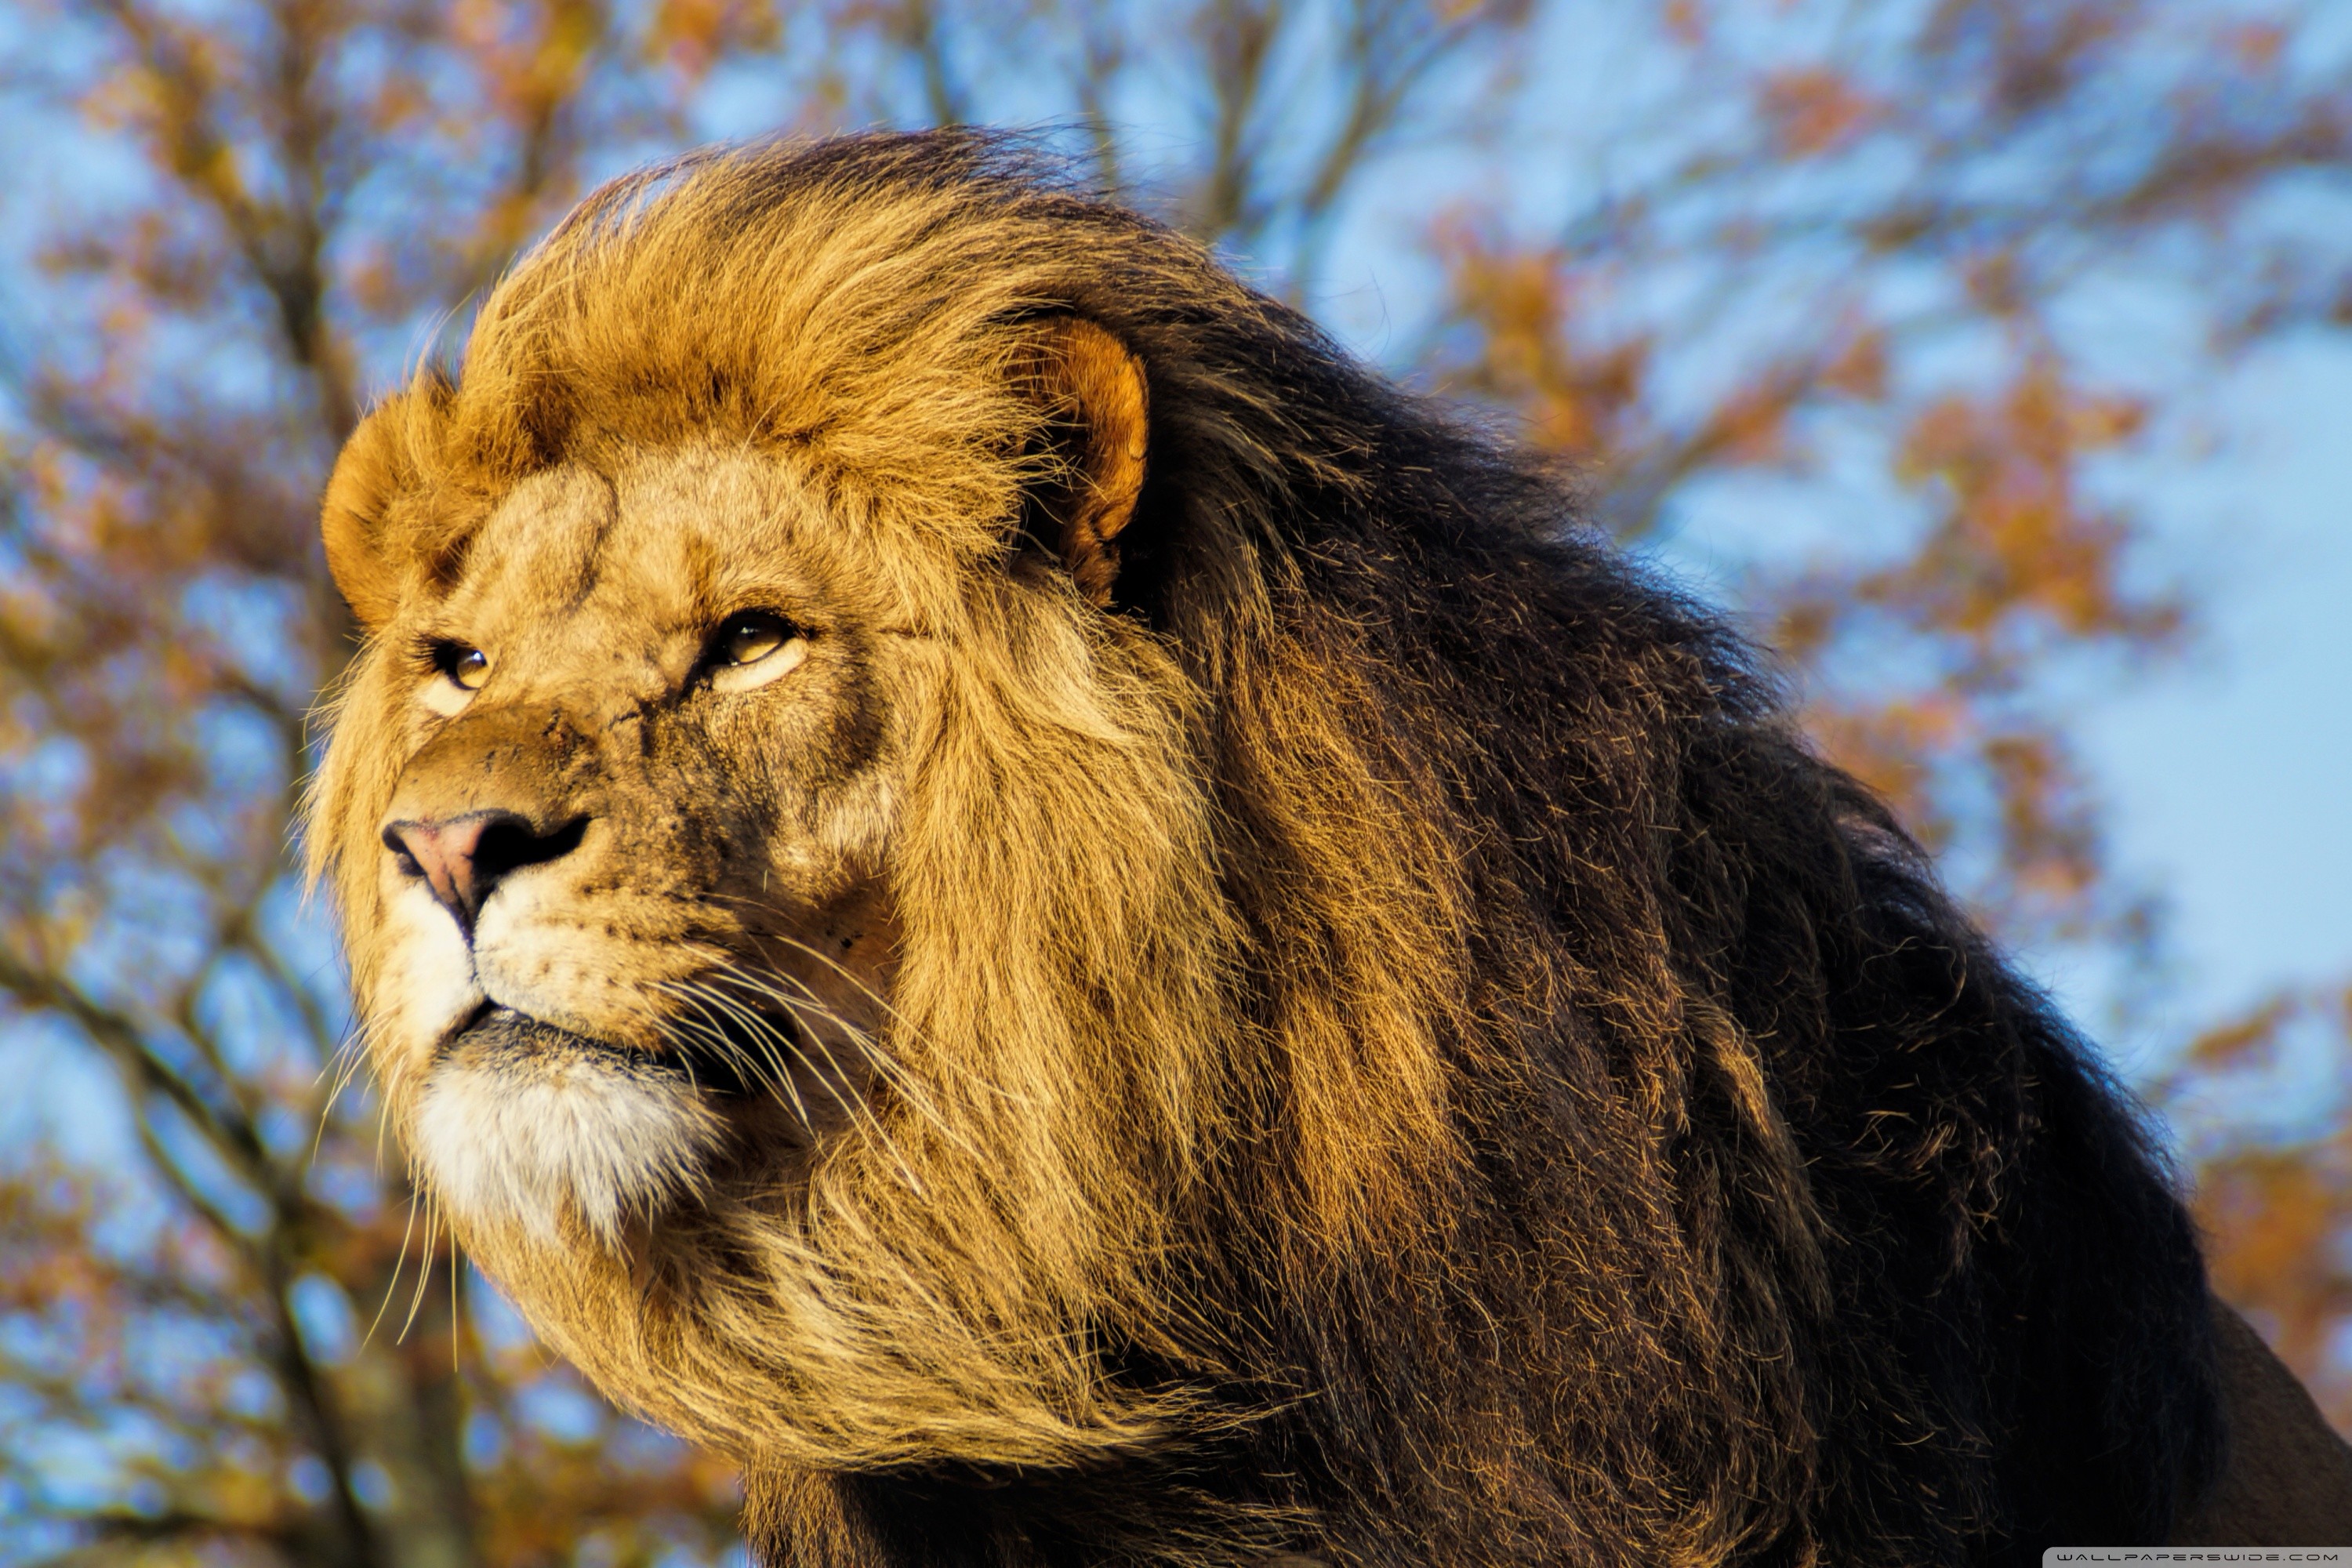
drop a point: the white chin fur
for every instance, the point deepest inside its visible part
(517, 1141)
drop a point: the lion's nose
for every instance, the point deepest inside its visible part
(463, 858)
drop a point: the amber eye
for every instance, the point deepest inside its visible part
(464, 666)
(751, 636)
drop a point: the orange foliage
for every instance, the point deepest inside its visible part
(1576, 397)
(1811, 109)
(2275, 1219)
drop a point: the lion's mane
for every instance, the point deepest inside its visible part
(1402, 1049)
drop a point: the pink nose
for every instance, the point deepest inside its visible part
(463, 858)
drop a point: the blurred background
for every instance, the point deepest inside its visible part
(1992, 359)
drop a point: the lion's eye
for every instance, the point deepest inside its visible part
(464, 666)
(750, 638)
(751, 648)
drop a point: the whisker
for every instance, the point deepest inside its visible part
(735, 1051)
(831, 1081)
(771, 1070)
(457, 1324)
(399, 1262)
(883, 1004)
(345, 1064)
(801, 1008)
(884, 1062)
(425, 1270)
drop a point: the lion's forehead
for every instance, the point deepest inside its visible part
(579, 567)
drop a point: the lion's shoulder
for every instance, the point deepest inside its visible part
(2286, 1479)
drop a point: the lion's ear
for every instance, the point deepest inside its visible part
(1097, 427)
(371, 472)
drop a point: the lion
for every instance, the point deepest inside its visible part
(990, 879)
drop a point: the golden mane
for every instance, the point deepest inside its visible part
(1398, 1048)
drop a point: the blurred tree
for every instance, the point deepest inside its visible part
(1796, 241)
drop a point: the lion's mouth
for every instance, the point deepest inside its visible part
(515, 1042)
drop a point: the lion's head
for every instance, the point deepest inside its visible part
(986, 876)
(738, 745)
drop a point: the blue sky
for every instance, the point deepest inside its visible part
(2230, 773)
